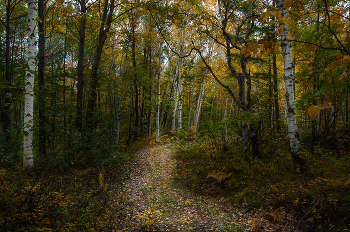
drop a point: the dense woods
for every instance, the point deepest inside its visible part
(258, 90)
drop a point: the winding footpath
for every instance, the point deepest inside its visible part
(155, 201)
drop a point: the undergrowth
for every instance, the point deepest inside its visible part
(76, 199)
(317, 200)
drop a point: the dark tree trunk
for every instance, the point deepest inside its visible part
(133, 56)
(5, 112)
(275, 96)
(41, 77)
(254, 139)
(104, 29)
(79, 116)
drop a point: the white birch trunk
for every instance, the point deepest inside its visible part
(28, 160)
(199, 104)
(176, 100)
(191, 97)
(182, 42)
(298, 161)
(158, 94)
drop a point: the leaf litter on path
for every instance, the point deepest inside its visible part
(157, 202)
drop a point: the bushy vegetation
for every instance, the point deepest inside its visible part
(317, 200)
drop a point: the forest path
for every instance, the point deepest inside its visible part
(157, 202)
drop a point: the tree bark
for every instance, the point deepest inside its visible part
(199, 103)
(182, 41)
(80, 85)
(298, 161)
(5, 112)
(158, 93)
(28, 161)
(275, 95)
(41, 77)
(104, 29)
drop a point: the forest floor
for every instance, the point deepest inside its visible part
(155, 200)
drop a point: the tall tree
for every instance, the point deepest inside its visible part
(41, 79)
(28, 160)
(293, 134)
(80, 86)
(106, 21)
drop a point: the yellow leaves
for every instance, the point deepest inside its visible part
(264, 16)
(287, 21)
(343, 76)
(339, 56)
(253, 46)
(331, 65)
(290, 36)
(273, 12)
(346, 57)
(267, 48)
(333, 16)
(309, 46)
(279, 15)
(250, 47)
(245, 51)
(281, 29)
(287, 3)
(313, 111)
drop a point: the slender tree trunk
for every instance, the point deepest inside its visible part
(28, 160)
(191, 97)
(199, 103)
(80, 87)
(104, 29)
(41, 77)
(182, 41)
(298, 160)
(158, 93)
(176, 99)
(5, 112)
(120, 98)
(151, 97)
(275, 95)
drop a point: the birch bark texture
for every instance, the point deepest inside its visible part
(293, 134)
(28, 161)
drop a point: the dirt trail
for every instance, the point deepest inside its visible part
(156, 202)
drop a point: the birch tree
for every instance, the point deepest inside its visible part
(158, 93)
(182, 41)
(28, 160)
(293, 134)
